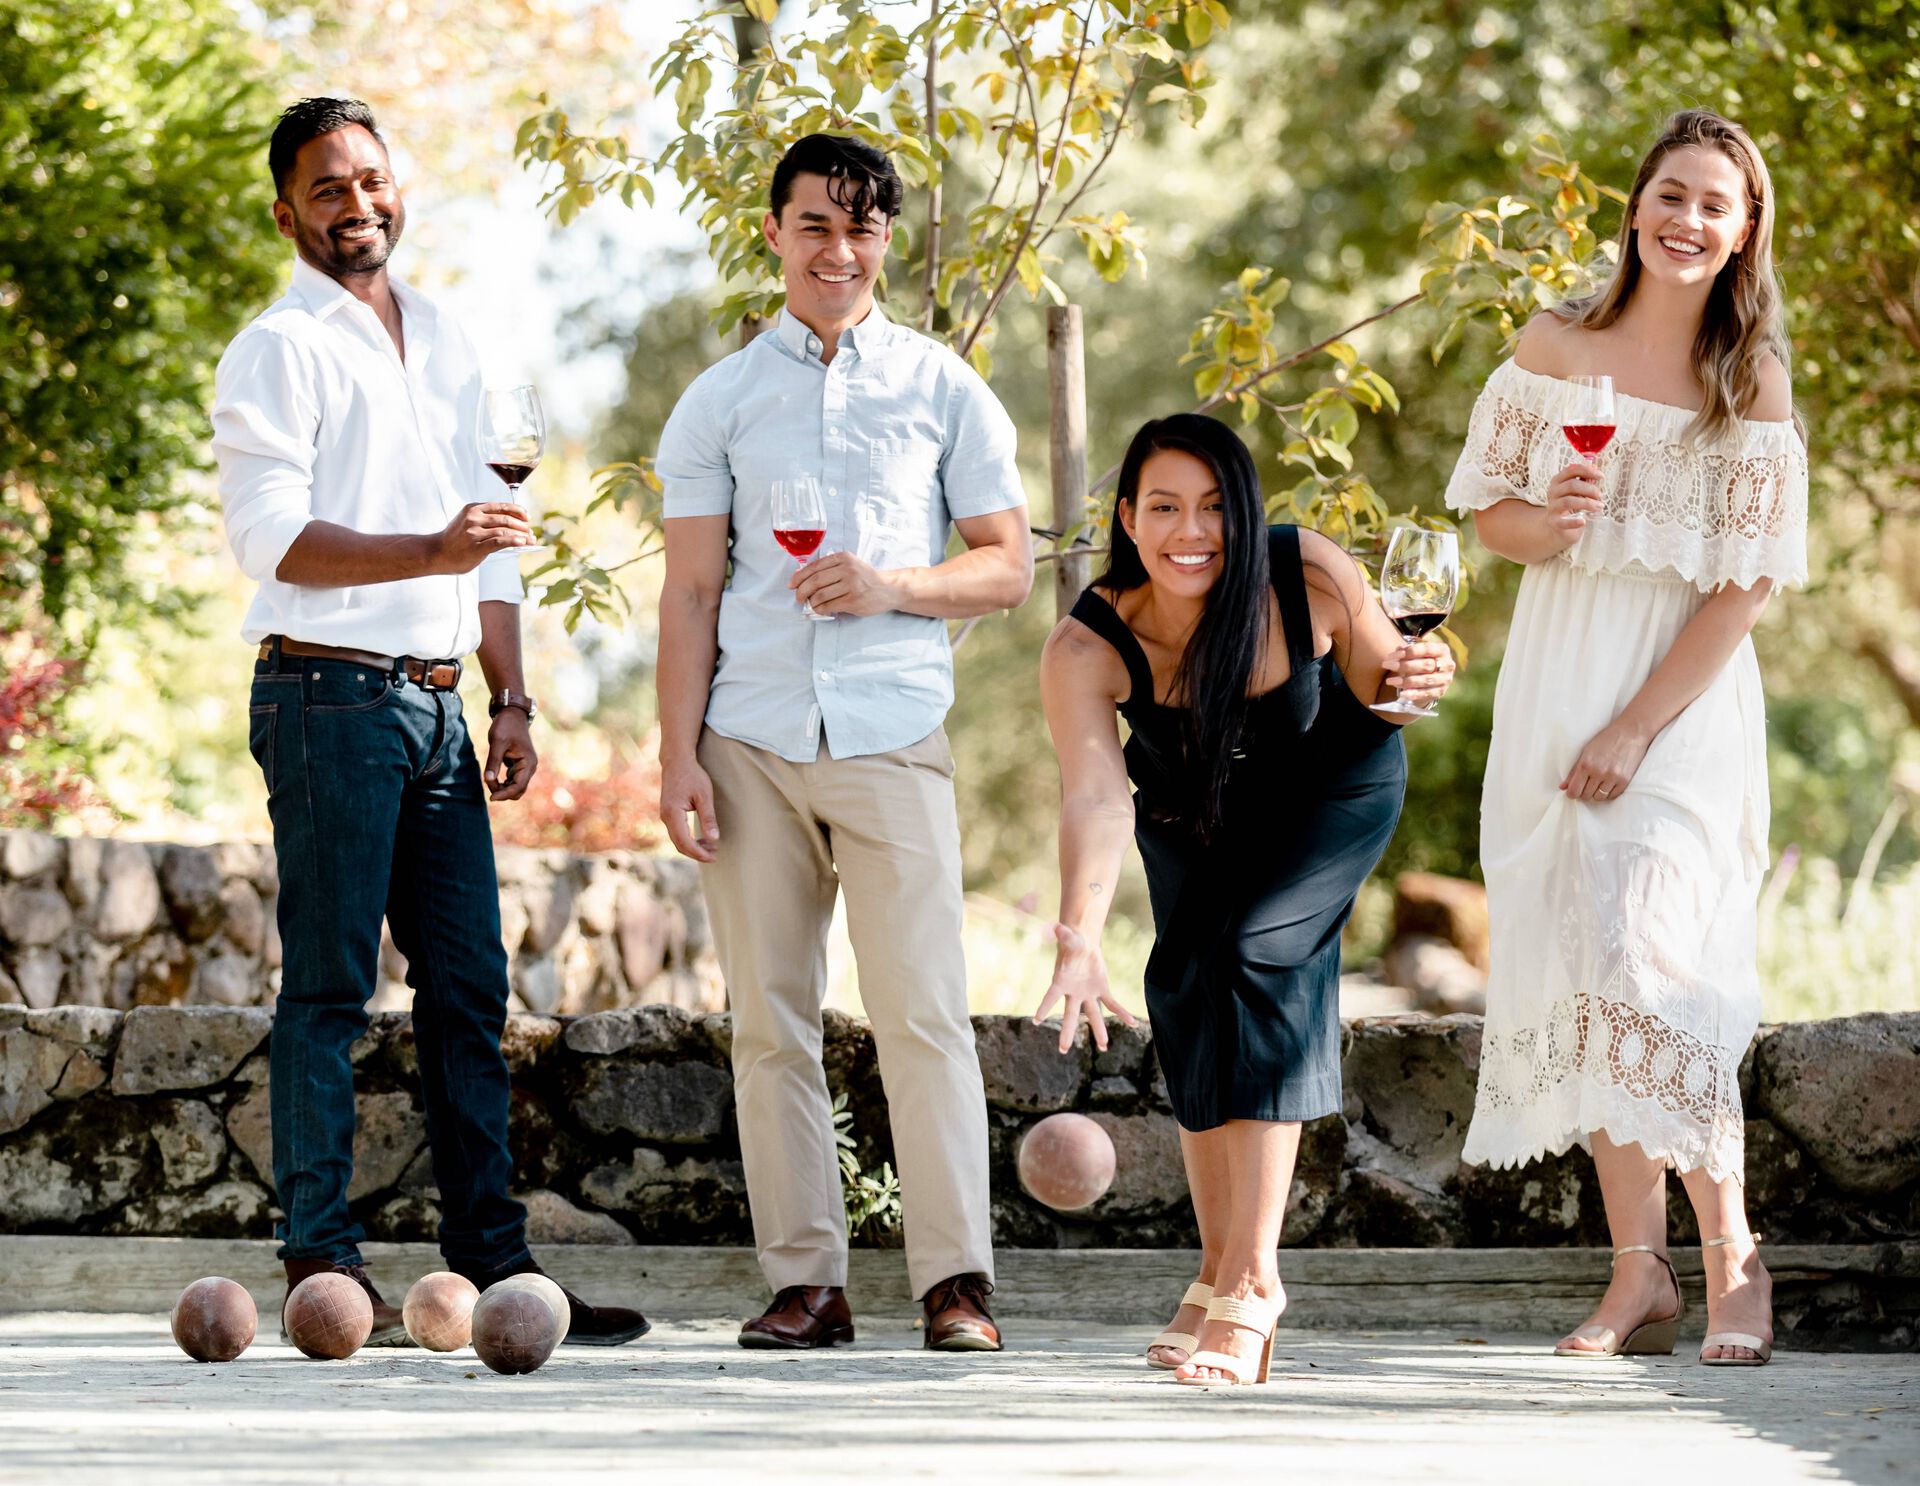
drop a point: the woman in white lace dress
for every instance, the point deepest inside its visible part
(1624, 821)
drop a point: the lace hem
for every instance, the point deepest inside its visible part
(1731, 513)
(1542, 1134)
(1605, 1065)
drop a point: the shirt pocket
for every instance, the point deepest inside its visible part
(893, 524)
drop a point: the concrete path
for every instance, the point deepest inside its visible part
(92, 1398)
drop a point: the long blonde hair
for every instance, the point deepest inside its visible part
(1742, 318)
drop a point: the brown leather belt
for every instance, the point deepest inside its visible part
(429, 675)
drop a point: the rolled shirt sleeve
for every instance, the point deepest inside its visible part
(265, 416)
(695, 474)
(499, 579)
(978, 474)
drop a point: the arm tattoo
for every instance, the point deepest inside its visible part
(1094, 888)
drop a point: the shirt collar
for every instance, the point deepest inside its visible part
(868, 336)
(324, 294)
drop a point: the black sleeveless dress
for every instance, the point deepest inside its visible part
(1243, 985)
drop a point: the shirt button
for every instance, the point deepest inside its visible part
(825, 677)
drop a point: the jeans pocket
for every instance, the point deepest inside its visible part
(262, 723)
(337, 689)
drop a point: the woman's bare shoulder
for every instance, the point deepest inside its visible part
(1546, 345)
(1773, 399)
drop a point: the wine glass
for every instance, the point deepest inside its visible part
(1589, 422)
(512, 435)
(799, 522)
(1418, 585)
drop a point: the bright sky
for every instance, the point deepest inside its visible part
(514, 279)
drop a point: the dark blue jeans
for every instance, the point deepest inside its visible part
(378, 811)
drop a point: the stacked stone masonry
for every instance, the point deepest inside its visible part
(155, 1121)
(120, 924)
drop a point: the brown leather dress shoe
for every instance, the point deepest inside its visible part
(957, 1319)
(800, 1317)
(389, 1330)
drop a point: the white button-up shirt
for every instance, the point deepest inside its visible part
(903, 436)
(316, 418)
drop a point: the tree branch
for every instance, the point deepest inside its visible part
(932, 277)
(1899, 665)
(1897, 309)
(1042, 176)
(1249, 383)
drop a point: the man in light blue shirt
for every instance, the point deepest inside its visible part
(810, 755)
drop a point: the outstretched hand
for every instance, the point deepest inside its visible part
(1080, 986)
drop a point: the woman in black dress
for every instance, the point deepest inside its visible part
(1244, 660)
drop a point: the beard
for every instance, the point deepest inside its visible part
(338, 259)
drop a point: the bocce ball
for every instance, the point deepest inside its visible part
(438, 1311)
(1066, 1161)
(328, 1315)
(514, 1330)
(214, 1320)
(548, 1290)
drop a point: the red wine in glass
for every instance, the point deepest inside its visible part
(512, 433)
(800, 541)
(1413, 626)
(1589, 420)
(1419, 582)
(1589, 438)
(799, 522)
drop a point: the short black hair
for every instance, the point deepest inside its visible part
(310, 118)
(867, 181)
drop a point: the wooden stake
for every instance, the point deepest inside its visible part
(1067, 447)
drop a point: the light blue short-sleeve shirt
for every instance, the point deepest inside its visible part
(904, 438)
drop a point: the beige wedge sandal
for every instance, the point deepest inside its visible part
(1256, 1315)
(1763, 1348)
(1649, 1338)
(1198, 1293)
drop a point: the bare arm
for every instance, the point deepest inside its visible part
(511, 760)
(325, 555)
(995, 572)
(696, 550)
(1700, 652)
(1518, 529)
(1081, 681)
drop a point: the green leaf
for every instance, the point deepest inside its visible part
(1199, 27)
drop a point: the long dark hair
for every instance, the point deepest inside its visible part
(1226, 647)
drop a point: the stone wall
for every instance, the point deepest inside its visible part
(120, 924)
(155, 1121)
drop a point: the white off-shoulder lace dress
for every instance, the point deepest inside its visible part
(1623, 990)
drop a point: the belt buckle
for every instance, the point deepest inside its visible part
(439, 675)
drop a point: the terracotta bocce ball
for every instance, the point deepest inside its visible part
(548, 1290)
(438, 1311)
(214, 1320)
(514, 1330)
(328, 1315)
(1066, 1161)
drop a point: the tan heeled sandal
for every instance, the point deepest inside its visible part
(1198, 1293)
(1649, 1338)
(1763, 1348)
(1256, 1315)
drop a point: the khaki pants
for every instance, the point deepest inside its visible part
(883, 827)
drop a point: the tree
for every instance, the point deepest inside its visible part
(1064, 85)
(137, 237)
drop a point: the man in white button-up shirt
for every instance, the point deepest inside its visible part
(355, 495)
(812, 755)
